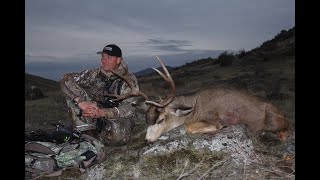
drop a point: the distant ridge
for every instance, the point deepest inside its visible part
(282, 44)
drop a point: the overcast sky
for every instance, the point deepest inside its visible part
(65, 35)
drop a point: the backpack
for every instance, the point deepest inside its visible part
(59, 150)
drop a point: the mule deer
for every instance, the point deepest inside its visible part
(209, 110)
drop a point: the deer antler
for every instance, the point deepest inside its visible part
(166, 77)
(134, 90)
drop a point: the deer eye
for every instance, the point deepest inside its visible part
(160, 121)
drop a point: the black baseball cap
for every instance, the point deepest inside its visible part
(112, 50)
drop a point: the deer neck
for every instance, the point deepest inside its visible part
(176, 122)
(185, 100)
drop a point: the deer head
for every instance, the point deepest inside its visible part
(155, 108)
(163, 115)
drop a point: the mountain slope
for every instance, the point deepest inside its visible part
(42, 83)
(259, 70)
(282, 44)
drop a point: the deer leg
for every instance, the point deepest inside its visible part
(203, 127)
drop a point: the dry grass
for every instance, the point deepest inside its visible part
(41, 113)
(272, 160)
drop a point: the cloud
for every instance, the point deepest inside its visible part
(73, 31)
(167, 45)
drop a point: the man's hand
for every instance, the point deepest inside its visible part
(91, 109)
(100, 112)
(88, 108)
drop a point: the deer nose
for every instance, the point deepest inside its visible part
(147, 142)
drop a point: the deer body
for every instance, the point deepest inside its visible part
(210, 109)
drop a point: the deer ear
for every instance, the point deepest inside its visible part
(181, 110)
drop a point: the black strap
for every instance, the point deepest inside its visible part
(111, 87)
(99, 124)
(32, 162)
(88, 154)
(119, 85)
(81, 165)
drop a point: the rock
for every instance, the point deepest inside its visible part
(33, 93)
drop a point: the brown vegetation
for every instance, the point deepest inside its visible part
(267, 71)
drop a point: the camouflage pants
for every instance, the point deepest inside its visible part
(79, 122)
(110, 131)
(116, 131)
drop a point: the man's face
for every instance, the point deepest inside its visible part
(110, 62)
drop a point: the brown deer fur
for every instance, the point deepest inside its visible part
(208, 110)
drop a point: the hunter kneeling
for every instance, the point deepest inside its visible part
(100, 100)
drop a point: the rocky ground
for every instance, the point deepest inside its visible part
(230, 154)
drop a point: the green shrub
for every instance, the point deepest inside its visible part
(226, 59)
(241, 53)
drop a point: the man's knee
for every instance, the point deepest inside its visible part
(116, 132)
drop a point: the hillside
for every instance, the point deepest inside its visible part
(43, 83)
(42, 111)
(268, 71)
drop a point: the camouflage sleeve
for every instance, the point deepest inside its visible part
(125, 108)
(73, 84)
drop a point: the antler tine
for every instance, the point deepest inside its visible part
(134, 91)
(164, 69)
(166, 77)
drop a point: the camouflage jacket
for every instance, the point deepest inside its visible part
(91, 85)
